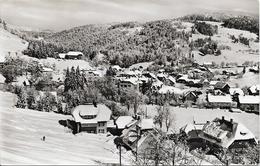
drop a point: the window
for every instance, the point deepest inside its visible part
(100, 124)
(101, 130)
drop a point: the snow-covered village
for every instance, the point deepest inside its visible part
(129, 86)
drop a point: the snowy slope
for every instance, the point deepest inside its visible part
(238, 52)
(10, 43)
(21, 132)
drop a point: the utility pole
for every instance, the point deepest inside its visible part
(119, 154)
(119, 142)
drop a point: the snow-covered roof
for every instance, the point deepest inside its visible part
(161, 75)
(195, 81)
(224, 133)
(62, 55)
(152, 75)
(74, 53)
(20, 80)
(47, 69)
(184, 77)
(234, 91)
(243, 133)
(207, 63)
(249, 99)
(172, 79)
(220, 85)
(132, 80)
(255, 88)
(2, 79)
(123, 121)
(102, 112)
(219, 99)
(145, 79)
(146, 124)
(213, 83)
(2, 59)
(117, 67)
(170, 89)
(157, 83)
(95, 72)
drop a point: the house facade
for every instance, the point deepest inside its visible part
(249, 103)
(130, 84)
(91, 118)
(224, 87)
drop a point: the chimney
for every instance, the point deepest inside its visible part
(223, 118)
(94, 103)
(231, 120)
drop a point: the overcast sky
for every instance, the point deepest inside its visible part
(62, 14)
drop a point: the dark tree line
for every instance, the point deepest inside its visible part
(41, 49)
(244, 23)
(205, 46)
(205, 29)
(198, 17)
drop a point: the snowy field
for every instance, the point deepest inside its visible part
(248, 80)
(10, 43)
(238, 52)
(21, 132)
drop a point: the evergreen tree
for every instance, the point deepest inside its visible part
(22, 99)
(5, 25)
(31, 101)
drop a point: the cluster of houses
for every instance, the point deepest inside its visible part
(218, 93)
(97, 118)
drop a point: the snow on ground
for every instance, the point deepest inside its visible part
(10, 43)
(238, 53)
(227, 57)
(248, 80)
(64, 64)
(21, 132)
(184, 116)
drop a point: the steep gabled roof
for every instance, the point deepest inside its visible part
(2, 79)
(220, 85)
(255, 88)
(234, 91)
(223, 133)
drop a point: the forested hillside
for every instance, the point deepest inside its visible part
(128, 43)
(243, 23)
(123, 44)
